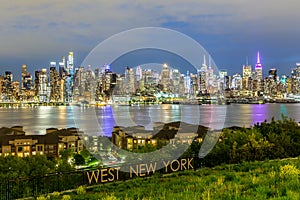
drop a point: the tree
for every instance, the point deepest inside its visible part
(79, 159)
(85, 154)
(66, 154)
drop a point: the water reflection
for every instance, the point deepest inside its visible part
(258, 113)
(37, 120)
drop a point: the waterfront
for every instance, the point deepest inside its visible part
(37, 120)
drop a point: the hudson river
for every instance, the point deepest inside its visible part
(36, 120)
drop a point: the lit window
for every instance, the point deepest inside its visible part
(26, 148)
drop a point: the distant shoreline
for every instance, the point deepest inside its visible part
(33, 105)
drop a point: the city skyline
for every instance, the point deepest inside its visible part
(37, 33)
(66, 83)
(175, 61)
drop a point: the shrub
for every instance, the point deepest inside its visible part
(111, 197)
(41, 198)
(80, 190)
(66, 197)
(288, 171)
(55, 195)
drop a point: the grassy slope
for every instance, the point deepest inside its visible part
(255, 180)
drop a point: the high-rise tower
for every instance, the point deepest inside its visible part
(258, 74)
(258, 68)
(70, 63)
(247, 74)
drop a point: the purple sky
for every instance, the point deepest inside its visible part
(37, 32)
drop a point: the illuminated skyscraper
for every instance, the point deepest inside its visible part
(258, 74)
(165, 77)
(247, 71)
(26, 79)
(203, 76)
(298, 69)
(7, 85)
(237, 82)
(273, 73)
(43, 86)
(139, 73)
(69, 79)
(70, 63)
(247, 74)
(24, 73)
(176, 79)
(55, 83)
(129, 80)
(258, 68)
(222, 75)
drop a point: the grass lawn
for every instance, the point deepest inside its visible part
(277, 179)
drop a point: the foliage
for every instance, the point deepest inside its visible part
(263, 181)
(85, 154)
(79, 159)
(276, 139)
(66, 154)
(288, 171)
(262, 142)
(110, 197)
(66, 197)
(80, 190)
(41, 198)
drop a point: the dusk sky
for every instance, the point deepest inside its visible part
(37, 32)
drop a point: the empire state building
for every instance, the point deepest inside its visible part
(258, 68)
(258, 73)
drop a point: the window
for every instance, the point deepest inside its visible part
(40, 148)
(20, 149)
(26, 148)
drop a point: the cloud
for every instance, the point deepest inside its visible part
(46, 28)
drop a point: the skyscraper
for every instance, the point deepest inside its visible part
(7, 88)
(70, 63)
(247, 74)
(258, 68)
(247, 71)
(258, 74)
(69, 79)
(203, 74)
(43, 86)
(26, 79)
(273, 73)
(54, 83)
(298, 69)
(165, 77)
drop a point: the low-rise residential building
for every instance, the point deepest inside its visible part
(14, 142)
(131, 138)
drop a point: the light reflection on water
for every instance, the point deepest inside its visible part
(37, 120)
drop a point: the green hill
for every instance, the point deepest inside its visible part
(278, 179)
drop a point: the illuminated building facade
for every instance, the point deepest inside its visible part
(14, 142)
(67, 84)
(258, 74)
